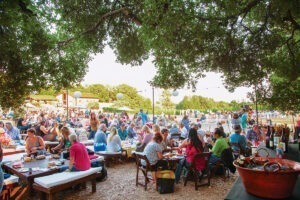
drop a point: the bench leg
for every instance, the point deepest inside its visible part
(93, 185)
(51, 196)
(83, 185)
(42, 195)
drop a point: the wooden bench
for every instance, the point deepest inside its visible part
(49, 185)
(8, 185)
(109, 156)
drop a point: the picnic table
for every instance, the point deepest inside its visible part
(39, 169)
(10, 151)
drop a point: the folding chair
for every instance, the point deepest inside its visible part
(192, 170)
(145, 169)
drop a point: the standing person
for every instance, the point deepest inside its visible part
(186, 122)
(236, 120)
(122, 131)
(79, 158)
(94, 123)
(13, 132)
(244, 118)
(144, 116)
(193, 146)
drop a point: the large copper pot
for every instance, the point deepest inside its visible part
(278, 184)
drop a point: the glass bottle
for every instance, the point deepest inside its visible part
(268, 134)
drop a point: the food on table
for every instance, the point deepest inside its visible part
(55, 156)
(27, 159)
(40, 157)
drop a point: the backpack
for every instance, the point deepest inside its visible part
(227, 158)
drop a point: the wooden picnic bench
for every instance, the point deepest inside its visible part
(50, 185)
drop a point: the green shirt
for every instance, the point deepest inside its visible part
(219, 146)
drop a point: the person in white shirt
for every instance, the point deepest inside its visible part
(183, 132)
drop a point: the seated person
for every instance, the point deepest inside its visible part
(5, 139)
(183, 131)
(236, 137)
(64, 143)
(122, 131)
(100, 136)
(21, 124)
(131, 131)
(193, 146)
(254, 134)
(219, 146)
(139, 122)
(153, 152)
(34, 144)
(2, 124)
(79, 158)
(41, 129)
(145, 139)
(13, 132)
(52, 133)
(174, 129)
(166, 142)
(113, 141)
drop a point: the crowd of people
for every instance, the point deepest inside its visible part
(153, 139)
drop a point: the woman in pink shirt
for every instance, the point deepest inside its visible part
(193, 146)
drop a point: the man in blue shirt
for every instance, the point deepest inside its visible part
(131, 132)
(253, 134)
(144, 116)
(13, 132)
(236, 137)
(122, 131)
(100, 136)
(244, 119)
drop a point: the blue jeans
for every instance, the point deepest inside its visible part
(213, 160)
(182, 163)
(64, 168)
(92, 135)
(1, 178)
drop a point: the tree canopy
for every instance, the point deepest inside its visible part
(254, 43)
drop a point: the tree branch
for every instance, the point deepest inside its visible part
(123, 10)
(290, 18)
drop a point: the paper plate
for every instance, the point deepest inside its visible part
(23, 170)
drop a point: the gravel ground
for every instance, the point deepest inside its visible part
(120, 184)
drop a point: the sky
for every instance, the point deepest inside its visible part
(104, 69)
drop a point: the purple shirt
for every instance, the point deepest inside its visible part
(147, 138)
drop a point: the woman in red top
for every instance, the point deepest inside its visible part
(193, 146)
